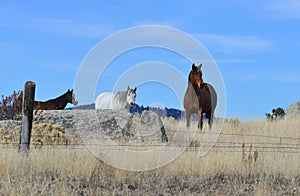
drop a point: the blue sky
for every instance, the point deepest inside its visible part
(255, 44)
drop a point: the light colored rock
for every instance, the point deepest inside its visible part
(119, 126)
(149, 126)
(132, 129)
(293, 110)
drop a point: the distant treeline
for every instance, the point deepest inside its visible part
(166, 112)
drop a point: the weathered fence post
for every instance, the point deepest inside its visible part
(27, 112)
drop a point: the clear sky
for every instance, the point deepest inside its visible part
(256, 45)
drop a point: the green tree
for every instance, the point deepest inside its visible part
(277, 114)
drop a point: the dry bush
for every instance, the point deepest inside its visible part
(42, 134)
(11, 106)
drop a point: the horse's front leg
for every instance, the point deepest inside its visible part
(199, 116)
(187, 116)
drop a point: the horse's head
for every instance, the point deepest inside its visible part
(195, 76)
(131, 94)
(71, 97)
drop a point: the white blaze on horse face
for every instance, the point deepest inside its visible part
(199, 70)
(74, 101)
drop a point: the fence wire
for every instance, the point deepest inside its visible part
(283, 144)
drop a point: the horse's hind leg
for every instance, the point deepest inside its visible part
(210, 119)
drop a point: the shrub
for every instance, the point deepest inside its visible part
(11, 106)
(277, 114)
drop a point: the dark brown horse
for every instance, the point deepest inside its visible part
(200, 98)
(58, 103)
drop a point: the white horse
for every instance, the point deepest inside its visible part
(120, 100)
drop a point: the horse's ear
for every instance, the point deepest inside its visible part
(194, 68)
(128, 88)
(134, 90)
(200, 66)
(71, 90)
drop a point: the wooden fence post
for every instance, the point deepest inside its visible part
(27, 112)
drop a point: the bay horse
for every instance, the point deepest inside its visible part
(58, 103)
(120, 100)
(200, 98)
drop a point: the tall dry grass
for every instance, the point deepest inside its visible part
(275, 144)
(228, 168)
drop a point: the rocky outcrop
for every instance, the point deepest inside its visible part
(149, 125)
(293, 110)
(121, 126)
(87, 125)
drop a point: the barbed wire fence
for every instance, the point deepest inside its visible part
(279, 145)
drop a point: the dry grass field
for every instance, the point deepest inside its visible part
(256, 158)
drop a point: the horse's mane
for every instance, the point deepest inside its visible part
(189, 81)
(59, 97)
(121, 96)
